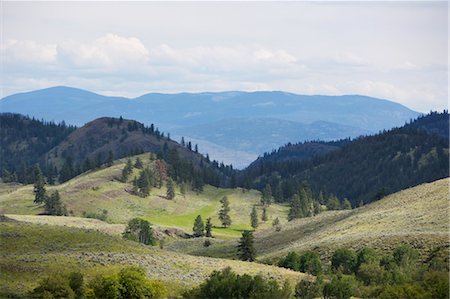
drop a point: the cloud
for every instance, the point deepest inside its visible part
(28, 52)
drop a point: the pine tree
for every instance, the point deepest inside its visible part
(266, 196)
(223, 213)
(254, 218)
(127, 170)
(199, 227)
(295, 208)
(208, 228)
(276, 224)
(264, 215)
(39, 186)
(170, 194)
(53, 205)
(246, 247)
(139, 230)
(144, 182)
(346, 205)
(138, 164)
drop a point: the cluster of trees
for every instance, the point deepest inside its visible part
(363, 169)
(24, 141)
(368, 274)
(227, 284)
(129, 282)
(201, 229)
(52, 203)
(139, 230)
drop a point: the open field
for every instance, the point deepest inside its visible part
(419, 216)
(29, 252)
(102, 190)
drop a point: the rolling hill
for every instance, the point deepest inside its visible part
(418, 216)
(30, 252)
(102, 189)
(187, 113)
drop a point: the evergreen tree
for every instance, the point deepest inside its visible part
(208, 228)
(53, 205)
(295, 208)
(87, 165)
(138, 164)
(199, 227)
(276, 224)
(127, 170)
(144, 182)
(170, 194)
(246, 247)
(139, 230)
(264, 215)
(254, 218)
(39, 185)
(223, 213)
(346, 205)
(333, 203)
(67, 171)
(266, 196)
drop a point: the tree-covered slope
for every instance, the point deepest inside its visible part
(24, 141)
(362, 170)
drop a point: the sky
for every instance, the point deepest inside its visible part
(391, 50)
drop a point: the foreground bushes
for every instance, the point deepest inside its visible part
(367, 274)
(129, 283)
(227, 284)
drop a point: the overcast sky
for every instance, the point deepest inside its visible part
(396, 51)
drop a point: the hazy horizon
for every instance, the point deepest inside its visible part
(389, 50)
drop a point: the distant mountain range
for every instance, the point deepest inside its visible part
(232, 126)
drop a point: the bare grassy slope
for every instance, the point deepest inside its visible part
(417, 215)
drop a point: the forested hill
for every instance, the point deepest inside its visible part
(433, 123)
(365, 169)
(24, 141)
(64, 152)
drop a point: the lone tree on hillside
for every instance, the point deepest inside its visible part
(39, 186)
(127, 170)
(53, 205)
(223, 213)
(139, 230)
(208, 228)
(254, 218)
(264, 215)
(170, 194)
(276, 224)
(246, 247)
(266, 196)
(199, 227)
(138, 164)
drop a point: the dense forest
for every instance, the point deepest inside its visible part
(365, 169)
(24, 141)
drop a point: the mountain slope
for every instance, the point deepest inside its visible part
(357, 114)
(24, 141)
(418, 216)
(362, 170)
(102, 189)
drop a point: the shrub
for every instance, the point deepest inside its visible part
(53, 287)
(291, 261)
(372, 274)
(405, 256)
(343, 260)
(227, 284)
(310, 263)
(309, 289)
(76, 282)
(366, 255)
(338, 288)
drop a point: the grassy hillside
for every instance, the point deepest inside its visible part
(102, 190)
(30, 252)
(418, 216)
